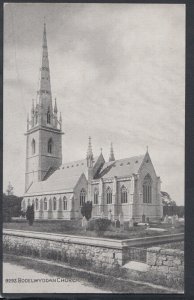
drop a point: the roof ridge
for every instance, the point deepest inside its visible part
(142, 155)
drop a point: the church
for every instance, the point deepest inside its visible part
(127, 187)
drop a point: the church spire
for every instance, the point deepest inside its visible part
(45, 98)
(111, 157)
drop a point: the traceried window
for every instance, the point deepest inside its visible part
(82, 197)
(33, 146)
(45, 204)
(50, 146)
(147, 189)
(64, 203)
(123, 194)
(54, 203)
(109, 196)
(36, 204)
(95, 196)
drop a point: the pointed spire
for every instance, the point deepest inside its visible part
(111, 156)
(55, 107)
(45, 86)
(146, 149)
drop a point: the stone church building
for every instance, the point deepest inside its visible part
(128, 187)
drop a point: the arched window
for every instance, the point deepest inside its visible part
(36, 204)
(33, 146)
(64, 203)
(109, 196)
(54, 203)
(82, 197)
(123, 194)
(147, 189)
(95, 196)
(50, 146)
(48, 117)
(45, 204)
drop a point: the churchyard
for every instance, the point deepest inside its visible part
(89, 230)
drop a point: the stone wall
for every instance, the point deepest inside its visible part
(97, 252)
(167, 262)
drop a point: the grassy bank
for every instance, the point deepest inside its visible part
(74, 228)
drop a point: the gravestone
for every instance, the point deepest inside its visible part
(102, 215)
(117, 224)
(84, 223)
(110, 216)
(173, 219)
(166, 219)
(131, 223)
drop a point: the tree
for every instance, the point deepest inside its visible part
(9, 189)
(30, 214)
(86, 210)
(11, 207)
(167, 200)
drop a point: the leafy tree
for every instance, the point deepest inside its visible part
(11, 207)
(167, 200)
(9, 189)
(30, 214)
(86, 210)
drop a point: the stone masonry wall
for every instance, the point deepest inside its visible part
(167, 262)
(64, 250)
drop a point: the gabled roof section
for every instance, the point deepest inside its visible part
(64, 178)
(122, 167)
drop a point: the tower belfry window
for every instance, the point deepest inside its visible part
(50, 146)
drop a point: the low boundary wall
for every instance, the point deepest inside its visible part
(99, 251)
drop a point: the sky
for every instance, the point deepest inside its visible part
(118, 74)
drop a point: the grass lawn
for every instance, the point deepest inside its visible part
(75, 228)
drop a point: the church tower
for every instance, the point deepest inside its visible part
(44, 129)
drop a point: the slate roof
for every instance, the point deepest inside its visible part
(64, 178)
(121, 167)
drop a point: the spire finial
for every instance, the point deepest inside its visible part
(146, 148)
(101, 150)
(89, 153)
(55, 108)
(111, 157)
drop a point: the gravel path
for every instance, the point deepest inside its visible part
(14, 277)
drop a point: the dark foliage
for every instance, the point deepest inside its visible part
(11, 207)
(86, 210)
(173, 210)
(30, 214)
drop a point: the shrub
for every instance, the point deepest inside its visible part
(30, 214)
(101, 224)
(86, 210)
